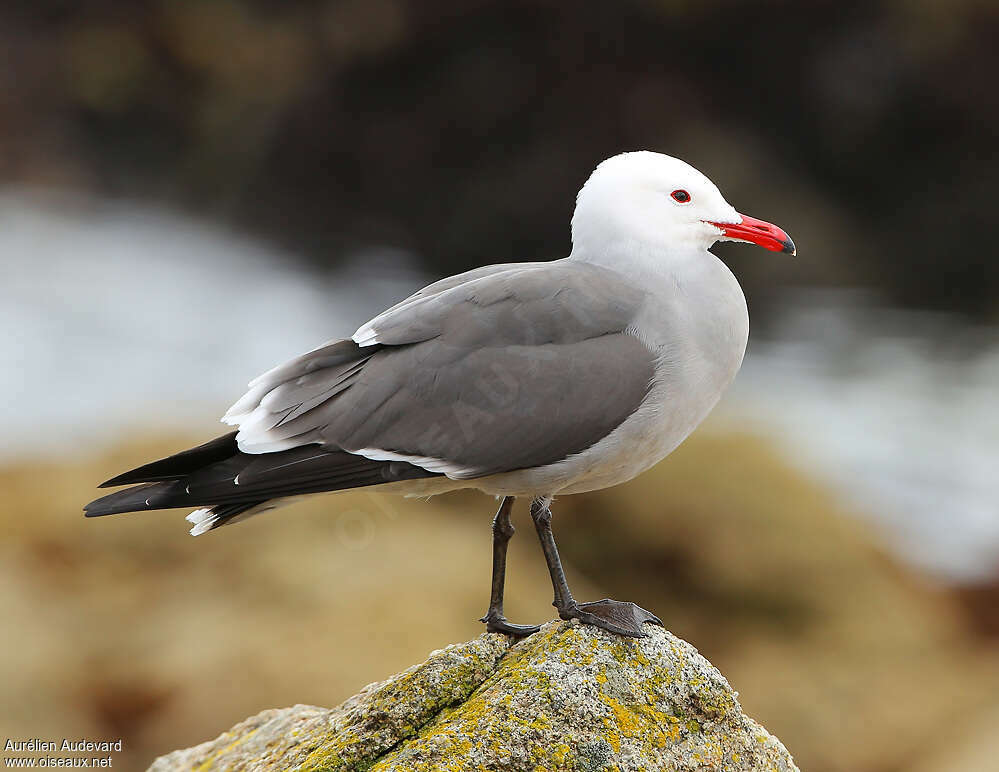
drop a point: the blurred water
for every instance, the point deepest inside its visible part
(121, 316)
(118, 317)
(897, 409)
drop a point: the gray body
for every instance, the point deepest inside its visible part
(528, 380)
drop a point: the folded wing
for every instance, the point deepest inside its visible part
(503, 368)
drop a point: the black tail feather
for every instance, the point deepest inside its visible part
(180, 464)
(157, 495)
(218, 473)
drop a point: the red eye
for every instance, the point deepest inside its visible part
(680, 195)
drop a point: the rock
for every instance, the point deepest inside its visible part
(570, 697)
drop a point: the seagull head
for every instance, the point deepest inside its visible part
(654, 201)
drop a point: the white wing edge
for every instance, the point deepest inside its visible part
(447, 468)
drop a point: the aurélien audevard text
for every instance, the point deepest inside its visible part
(35, 745)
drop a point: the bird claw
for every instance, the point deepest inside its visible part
(621, 617)
(496, 623)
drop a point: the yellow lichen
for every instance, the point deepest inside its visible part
(567, 698)
(207, 765)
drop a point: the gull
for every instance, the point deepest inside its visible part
(530, 380)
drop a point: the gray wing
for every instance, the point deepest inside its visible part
(504, 368)
(337, 352)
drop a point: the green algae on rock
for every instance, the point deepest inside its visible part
(571, 697)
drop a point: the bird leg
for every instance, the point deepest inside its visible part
(503, 530)
(612, 615)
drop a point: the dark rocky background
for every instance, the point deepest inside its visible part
(462, 130)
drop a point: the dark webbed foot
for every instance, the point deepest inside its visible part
(615, 616)
(496, 623)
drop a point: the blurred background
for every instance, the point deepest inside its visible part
(191, 192)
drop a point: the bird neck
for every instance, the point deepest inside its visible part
(646, 261)
(688, 289)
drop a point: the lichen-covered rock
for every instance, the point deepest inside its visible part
(570, 697)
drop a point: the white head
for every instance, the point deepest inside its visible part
(662, 204)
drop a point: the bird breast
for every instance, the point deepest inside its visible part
(697, 323)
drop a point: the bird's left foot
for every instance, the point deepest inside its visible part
(615, 616)
(497, 623)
